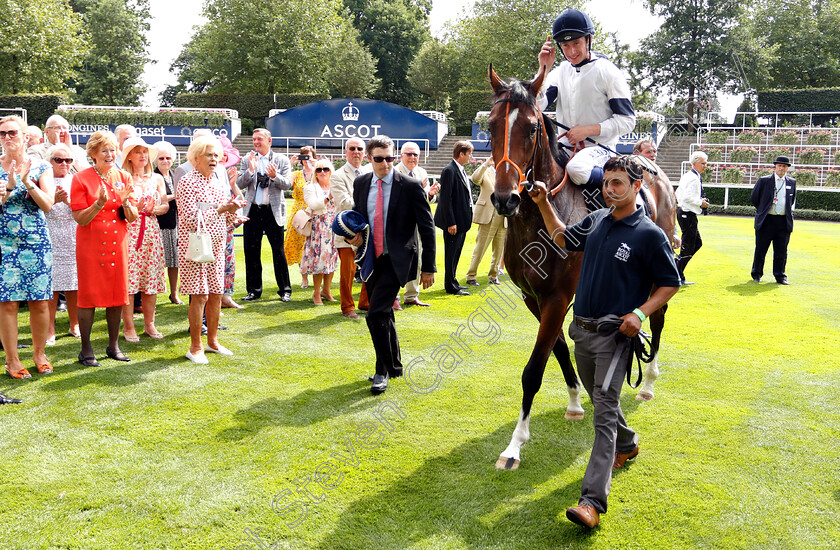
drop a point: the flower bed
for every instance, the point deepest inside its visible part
(804, 177)
(832, 178)
(717, 137)
(812, 156)
(771, 154)
(743, 154)
(761, 172)
(837, 157)
(750, 136)
(786, 137)
(819, 137)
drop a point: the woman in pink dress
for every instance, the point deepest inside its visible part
(198, 192)
(145, 245)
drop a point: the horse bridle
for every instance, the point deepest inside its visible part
(526, 179)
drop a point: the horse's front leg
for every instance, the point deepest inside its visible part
(531, 381)
(657, 324)
(561, 352)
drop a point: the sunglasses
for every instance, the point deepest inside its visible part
(412, 154)
(355, 148)
(10, 133)
(319, 170)
(164, 158)
(62, 161)
(384, 159)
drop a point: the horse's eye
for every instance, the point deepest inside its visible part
(533, 129)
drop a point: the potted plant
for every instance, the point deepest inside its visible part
(717, 137)
(715, 154)
(819, 137)
(812, 156)
(804, 177)
(732, 174)
(786, 137)
(832, 178)
(742, 154)
(837, 157)
(761, 172)
(750, 136)
(771, 154)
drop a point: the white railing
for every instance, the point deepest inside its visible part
(283, 142)
(754, 170)
(434, 115)
(770, 119)
(19, 110)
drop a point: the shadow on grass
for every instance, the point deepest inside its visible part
(306, 408)
(751, 289)
(460, 496)
(110, 373)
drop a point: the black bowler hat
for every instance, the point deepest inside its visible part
(781, 160)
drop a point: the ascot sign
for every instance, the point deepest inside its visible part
(334, 120)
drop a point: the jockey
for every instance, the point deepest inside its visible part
(593, 98)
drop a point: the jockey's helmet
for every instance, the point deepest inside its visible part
(572, 24)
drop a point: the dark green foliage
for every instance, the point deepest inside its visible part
(824, 201)
(814, 99)
(252, 106)
(144, 118)
(468, 103)
(39, 107)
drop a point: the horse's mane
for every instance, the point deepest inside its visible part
(520, 91)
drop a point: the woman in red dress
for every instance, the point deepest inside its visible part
(102, 204)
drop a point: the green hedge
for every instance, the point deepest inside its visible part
(468, 103)
(39, 107)
(144, 118)
(253, 106)
(800, 214)
(814, 99)
(805, 200)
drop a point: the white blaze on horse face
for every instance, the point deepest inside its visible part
(511, 119)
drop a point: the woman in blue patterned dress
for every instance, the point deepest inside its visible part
(26, 191)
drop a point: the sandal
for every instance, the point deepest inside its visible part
(89, 361)
(116, 355)
(133, 339)
(45, 368)
(19, 375)
(155, 335)
(176, 301)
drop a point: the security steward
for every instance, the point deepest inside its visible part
(628, 272)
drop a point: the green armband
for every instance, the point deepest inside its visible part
(641, 315)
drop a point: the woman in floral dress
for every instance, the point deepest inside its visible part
(319, 253)
(294, 240)
(26, 191)
(146, 265)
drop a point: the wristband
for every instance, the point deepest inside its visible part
(640, 315)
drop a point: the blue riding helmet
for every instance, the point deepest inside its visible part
(572, 24)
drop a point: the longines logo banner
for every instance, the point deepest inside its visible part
(335, 120)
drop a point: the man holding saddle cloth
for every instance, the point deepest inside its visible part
(628, 272)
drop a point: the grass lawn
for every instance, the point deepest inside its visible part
(739, 447)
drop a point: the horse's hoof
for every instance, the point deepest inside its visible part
(507, 463)
(644, 396)
(574, 415)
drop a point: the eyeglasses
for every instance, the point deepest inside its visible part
(323, 169)
(412, 154)
(164, 158)
(9, 133)
(62, 161)
(355, 148)
(384, 159)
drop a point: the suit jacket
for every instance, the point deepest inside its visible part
(454, 200)
(408, 214)
(341, 189)
(762, 198)
(420, 174)
(485, 178)
(281, 182)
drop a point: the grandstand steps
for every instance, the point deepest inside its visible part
(672, 152)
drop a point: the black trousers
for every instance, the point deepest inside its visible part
(773, 230)
(452, 246)
(691, 241)
(382, 288)
(262, 221)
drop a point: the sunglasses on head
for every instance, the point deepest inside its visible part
(62, 161)
(385, 159)
(10, 133)
(321, 169)
(355, 148)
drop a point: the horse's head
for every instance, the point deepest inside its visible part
(516, 128)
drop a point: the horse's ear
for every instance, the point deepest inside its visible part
(495, 82)
(536, 84)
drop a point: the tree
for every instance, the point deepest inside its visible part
(43, 42)
(288, 46)
(393, 31)
(804, 36)
(111, 72)
(436, 72)
(701, 48)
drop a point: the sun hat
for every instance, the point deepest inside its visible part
(133, 142)
(233, 156)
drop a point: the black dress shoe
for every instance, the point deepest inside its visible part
(251, 296)
(756, 279)
(8, 400)
(88, 361)
(458, 293)
(379, 385)
(285, 296)
(782, 281)
(116, 355)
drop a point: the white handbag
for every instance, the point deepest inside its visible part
(302, 222)
(200, 245)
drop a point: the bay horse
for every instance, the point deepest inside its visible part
(524, 148)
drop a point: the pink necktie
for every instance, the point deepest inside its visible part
(379, 221)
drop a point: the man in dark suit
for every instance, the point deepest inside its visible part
(454, 213)
(397, 211)
(264, 175)
(774, 197)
